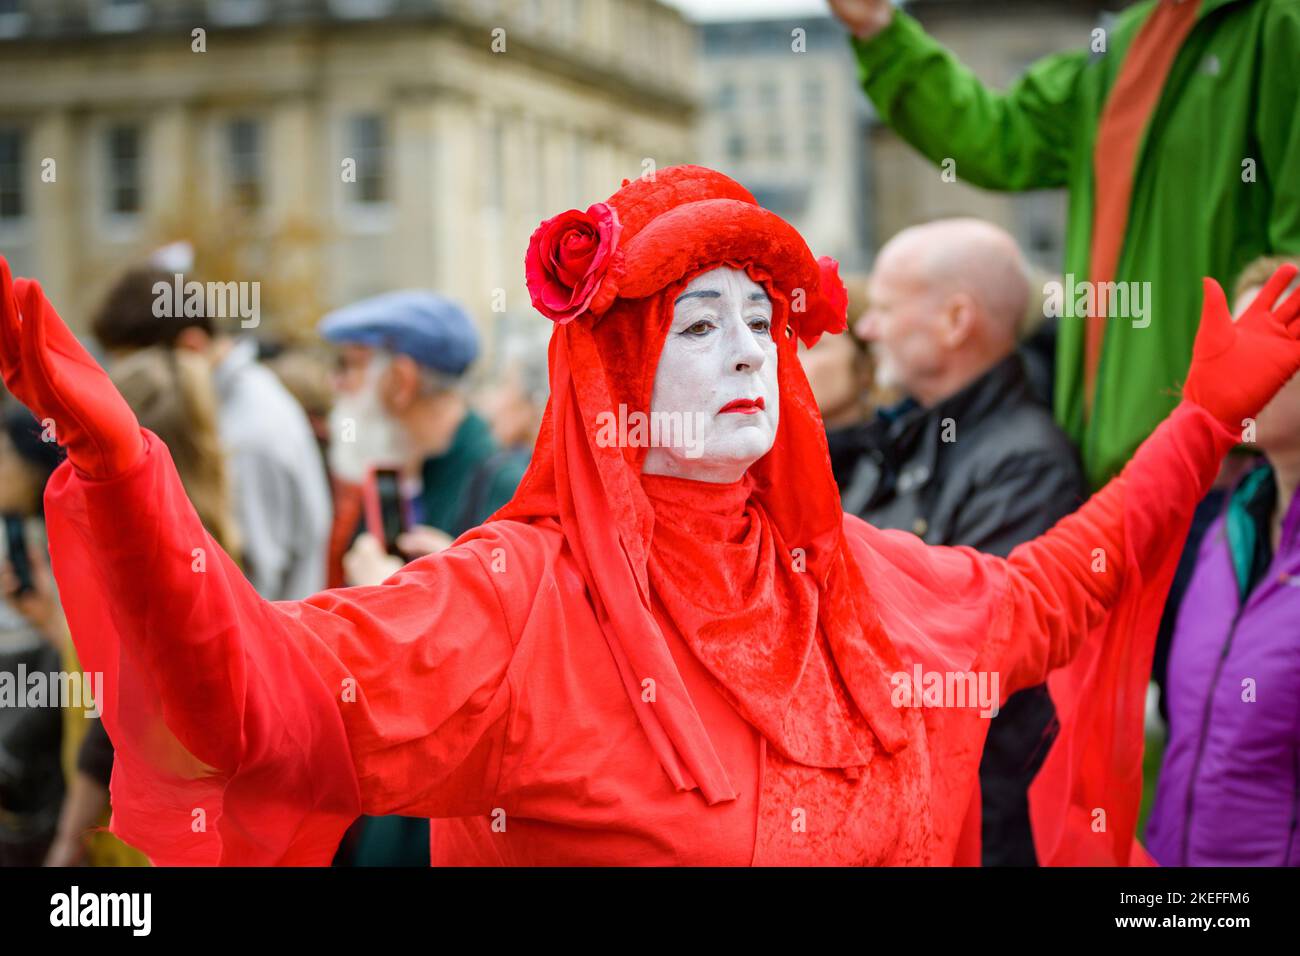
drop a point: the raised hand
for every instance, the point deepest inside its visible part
(1237, 367)
(49, 371)
(863, 18)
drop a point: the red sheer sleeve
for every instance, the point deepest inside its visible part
(1078, 607)
(248, 732)
(1085, 602)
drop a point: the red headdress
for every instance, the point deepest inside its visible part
(608, 277)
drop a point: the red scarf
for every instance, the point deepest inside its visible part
(722, 573)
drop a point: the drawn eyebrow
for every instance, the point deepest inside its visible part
(759, 296)
(701, 294)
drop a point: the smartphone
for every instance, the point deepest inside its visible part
(386, 516)
(19, 558)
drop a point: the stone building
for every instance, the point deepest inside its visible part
(794, 126)
(996, 41)
(783, 114)
(330, 148)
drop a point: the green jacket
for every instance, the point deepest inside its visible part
(473, 478)
(1231, 96)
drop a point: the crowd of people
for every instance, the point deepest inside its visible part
(945, 418)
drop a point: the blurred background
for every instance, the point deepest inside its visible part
(128, 124)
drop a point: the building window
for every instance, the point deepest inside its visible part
(736, 147)
(361, 9)
(726, 97)
(11, 174)
(367, 139)
(237, 12)
(13, 18)
(244, 158)
(775, 145)
(815, 145)
(120, 15)
(124, 172)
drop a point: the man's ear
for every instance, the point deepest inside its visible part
(400, 385)
(959, 318)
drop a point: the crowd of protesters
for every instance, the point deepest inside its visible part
(942, 418)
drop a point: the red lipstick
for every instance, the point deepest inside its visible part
(745, 406)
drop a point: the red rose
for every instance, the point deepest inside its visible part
(828, 310)
(833, 291)
(567, 259)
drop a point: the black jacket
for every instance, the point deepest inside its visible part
(986, 467)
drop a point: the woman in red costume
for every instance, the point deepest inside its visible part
(682, 653)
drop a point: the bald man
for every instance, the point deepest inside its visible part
(971, 457)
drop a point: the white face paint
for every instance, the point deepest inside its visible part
(717, 370)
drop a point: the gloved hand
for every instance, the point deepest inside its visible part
(46, 369)
(1237, 367)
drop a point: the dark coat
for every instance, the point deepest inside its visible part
(986, 467)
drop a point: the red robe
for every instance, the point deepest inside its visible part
(628, 669)
(476, 686)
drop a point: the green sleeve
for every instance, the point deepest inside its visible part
(1278, 125)
(1020, 139)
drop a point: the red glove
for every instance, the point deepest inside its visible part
(46, 369)
(1237, 367)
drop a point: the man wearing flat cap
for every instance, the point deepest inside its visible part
(402, 358)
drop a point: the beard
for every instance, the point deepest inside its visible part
(885, 371)
(362, 435)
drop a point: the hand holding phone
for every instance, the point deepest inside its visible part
(26, 582)
(386, 513)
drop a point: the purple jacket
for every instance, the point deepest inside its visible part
(1229, 790)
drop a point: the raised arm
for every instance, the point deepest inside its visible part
(1018, 139)
(1080, 604)
(1063, 583)
(247, 731)
(1031, 612)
